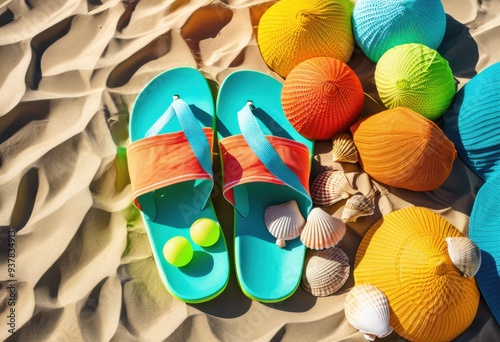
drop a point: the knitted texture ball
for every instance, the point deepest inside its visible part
(484, 232)
(401, 148)
(405, 255)
(321, 97)
(292, 31)
(379, 25)
(416, 77)
(473, 122)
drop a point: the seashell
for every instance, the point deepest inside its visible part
(484, 232)
(401, 148)
(465, 255)
(405, 255)
(344, 149)
(357, 206)
(416, 77)
(284, 221)
(322, 230)
(330, 187)
(473, 119)
(322, 96)
(293, 31)
(379, 25)
(367, 309)
(325, 271)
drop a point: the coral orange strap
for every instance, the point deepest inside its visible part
(242, 166)
(163, 160)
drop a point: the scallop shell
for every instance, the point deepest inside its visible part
(416, 77)
(321, 97)
(382, 24)
(291, 32)
(357, 206)
(344, 149)
(330, 187)
(401, 148)
(325, 271)
(284, 221)
(367, 309)
(322, 230)
(473, 119)
(465, 255)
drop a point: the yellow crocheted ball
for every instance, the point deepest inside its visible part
(292, 31)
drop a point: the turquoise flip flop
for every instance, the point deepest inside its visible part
(170, 165)
(265, 162)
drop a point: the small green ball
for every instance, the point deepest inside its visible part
(205, 232)
(178, 251)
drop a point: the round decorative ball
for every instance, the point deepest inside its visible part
(178, 251)
(204, 232)
(292, 31)
(472, 122)
(401, 148)
(416, 77)
(379, 25)
(322, 96)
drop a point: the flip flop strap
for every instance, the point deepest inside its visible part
(262, 148)
(191, 128)
(160, 160)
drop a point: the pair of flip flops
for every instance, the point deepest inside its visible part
(265, 162)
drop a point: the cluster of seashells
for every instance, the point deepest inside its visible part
(326, 266)
(367, 308)
(333, 186)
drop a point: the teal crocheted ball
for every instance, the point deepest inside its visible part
(379, 25)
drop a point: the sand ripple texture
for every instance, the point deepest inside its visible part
(69, 73)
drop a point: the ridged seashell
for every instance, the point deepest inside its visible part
(405, 255)
(325, 271)
(322, 230)
(322, 96)
(465, 255)
(330, 187)
(357, 206)
(284, 221)
(344, 149)
(416, 77)
(473, 119)
(379, 25)
(293, 31)
(485, 233)
(403, 149)
(367, 309)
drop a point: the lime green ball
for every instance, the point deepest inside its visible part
(178, 251)
(205, 232)
(416, 77)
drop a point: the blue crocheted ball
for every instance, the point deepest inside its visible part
(379, 25)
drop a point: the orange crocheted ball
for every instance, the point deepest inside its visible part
(401, 148)
(322, 96)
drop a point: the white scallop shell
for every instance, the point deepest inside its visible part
(367, 309)
(330, 187)
(322, 230)
(284, 221)
(344, 149)
(464, 253)
(325, 271)
(357, 206)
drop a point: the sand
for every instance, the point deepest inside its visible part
(69, 73)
